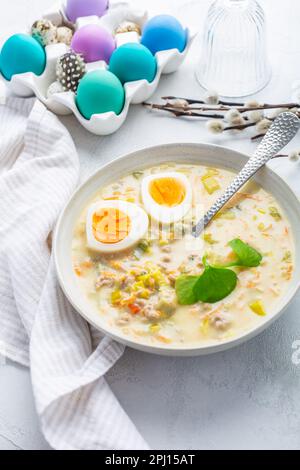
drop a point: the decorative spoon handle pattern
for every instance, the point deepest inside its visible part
(282, 131)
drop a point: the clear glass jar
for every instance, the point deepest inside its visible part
(233, 58)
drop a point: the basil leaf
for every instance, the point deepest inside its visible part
(185, 290)
(246, 255)
(215, 284)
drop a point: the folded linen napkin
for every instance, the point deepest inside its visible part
(38, 327)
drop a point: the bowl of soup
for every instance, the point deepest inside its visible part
(127, 261)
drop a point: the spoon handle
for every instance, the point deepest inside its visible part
(282, 131)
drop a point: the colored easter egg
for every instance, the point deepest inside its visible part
(94, 43)
(100, 91)
(132, 62)
(164, 32)
(21, 53)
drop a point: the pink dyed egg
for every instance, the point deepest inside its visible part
(94, 43)
(80, 8)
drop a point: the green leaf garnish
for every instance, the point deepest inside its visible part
(185, 289)
(215, 284)
(246, 255)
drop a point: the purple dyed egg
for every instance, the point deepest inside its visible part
(94, 43)
(78, 8)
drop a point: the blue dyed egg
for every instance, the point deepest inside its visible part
(164, 32)
(21, 53)
(132, 62)
(99, 92)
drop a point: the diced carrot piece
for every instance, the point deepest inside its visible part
(134, 308)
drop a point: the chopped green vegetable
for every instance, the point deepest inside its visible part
(258, 308)
(273, 211)
(116, 297)
(140, 290)
(153, 278)
(204, 326)
(246, 255)
(155, 328)
(261, 227)
(137, 174)
(210, 172)
(137, 254)
(144, 246)
(287, 257)
(210, 184)
(208, 238)
(261, 211)
(226, 214)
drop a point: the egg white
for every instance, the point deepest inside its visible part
(139, 226)
(163, 214)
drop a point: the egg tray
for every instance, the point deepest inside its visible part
(29, 84)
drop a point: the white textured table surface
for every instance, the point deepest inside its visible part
(246, 398)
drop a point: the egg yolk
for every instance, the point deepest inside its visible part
(168, 192)
(111, 225)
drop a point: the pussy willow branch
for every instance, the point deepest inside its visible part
(226, 105)
(179, 112)
(242, 109)
(191, 101)
(202, 112)
(185, 107)
(280, 156)
(240, 127)
(260, 136)
(245, 110)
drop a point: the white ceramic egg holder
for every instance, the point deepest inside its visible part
(29, 84)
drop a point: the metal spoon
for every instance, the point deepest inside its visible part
(282, 131)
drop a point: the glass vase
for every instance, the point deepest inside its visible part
(234, 59)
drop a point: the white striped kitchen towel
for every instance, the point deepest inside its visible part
(38, 328)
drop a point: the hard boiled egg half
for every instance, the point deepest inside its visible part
(113, 226)
(167, 197)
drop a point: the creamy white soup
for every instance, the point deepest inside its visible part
(144, 274)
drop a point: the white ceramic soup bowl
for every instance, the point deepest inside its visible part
(209, 155)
